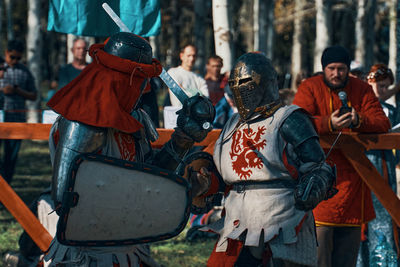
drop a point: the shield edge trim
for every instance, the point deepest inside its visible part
(62, 222)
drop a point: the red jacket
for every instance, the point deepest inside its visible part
(352, 205)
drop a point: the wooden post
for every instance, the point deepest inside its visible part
(24, 216)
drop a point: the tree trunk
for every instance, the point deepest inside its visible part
(10, 26)
(34, 57)
(199, 33)
(63, 47)
(70, 40)
(360, 37)
(260, 26)
(270, 31)
(173, 52)
(394, 45)
(323, 30)
(222, 32)
(263, 17)
(153, 40)
(298, 40)
(370, 37)
(365, 42)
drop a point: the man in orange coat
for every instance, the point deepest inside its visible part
(339, 218)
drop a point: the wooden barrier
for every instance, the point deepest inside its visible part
(24, 216)
(352, 145)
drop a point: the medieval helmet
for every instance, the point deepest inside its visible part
(253, 81)
(129, 46)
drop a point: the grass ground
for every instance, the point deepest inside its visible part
(33, 175)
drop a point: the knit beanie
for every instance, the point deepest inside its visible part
(335, 54)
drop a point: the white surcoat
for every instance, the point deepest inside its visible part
(254, 152)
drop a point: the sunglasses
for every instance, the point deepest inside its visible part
(15, 57)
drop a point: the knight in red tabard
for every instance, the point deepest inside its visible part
(272, 168)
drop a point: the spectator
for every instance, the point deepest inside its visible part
(183, 75)
(339, 219)
(17, 85)
(70, 71)
(380, 77)
(214, 79)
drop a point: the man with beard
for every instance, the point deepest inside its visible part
(339, 219)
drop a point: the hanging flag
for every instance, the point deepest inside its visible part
(88, 18)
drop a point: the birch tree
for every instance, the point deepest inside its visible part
(222, 32)
(394, 38)
(298, 40)
(34, 57)
(155, 46)
(259, 26)
(364, 37)
(173, 53)
(199, 33)
(360, 33)
(394, 45)
(263, 29)
(323, 30)
(270, 28)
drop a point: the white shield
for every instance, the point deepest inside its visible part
(115, 202)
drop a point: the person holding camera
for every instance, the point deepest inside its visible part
(17, 85)
(338, 102)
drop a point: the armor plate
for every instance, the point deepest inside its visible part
(112, 202)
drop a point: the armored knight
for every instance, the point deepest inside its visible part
(98, 116)
(273, 172)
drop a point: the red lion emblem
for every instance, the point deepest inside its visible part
(245, 144)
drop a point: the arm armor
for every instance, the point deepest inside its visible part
(299, 132)
(316, 177)
(196, 112)
(172, 153)
(75, 138)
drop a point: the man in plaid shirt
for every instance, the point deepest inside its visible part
(16, 85)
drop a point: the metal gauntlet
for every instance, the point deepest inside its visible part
(74, 138)
(196, 117)
(315, 186)
(172, 153)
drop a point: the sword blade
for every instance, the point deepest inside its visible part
(173, 86)
(115, 17)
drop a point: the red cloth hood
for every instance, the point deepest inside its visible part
(105, 92)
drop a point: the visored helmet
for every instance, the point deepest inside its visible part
(129, 46)
(253, 81)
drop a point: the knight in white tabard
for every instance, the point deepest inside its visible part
(191, 82)
(273, 172)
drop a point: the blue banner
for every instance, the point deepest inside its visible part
(88, 18)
